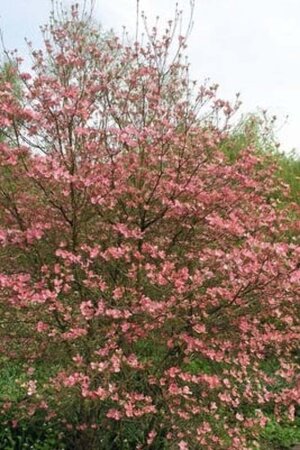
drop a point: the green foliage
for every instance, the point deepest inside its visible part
(34, 434)
(289, 170)
(197, 366)
(31, 436)
(9, 389)
(257, 130)
(281, 435)
(8, 74)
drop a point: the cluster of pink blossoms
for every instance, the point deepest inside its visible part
(154, 275)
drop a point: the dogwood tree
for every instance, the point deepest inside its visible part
(156, 278)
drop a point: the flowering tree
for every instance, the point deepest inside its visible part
(158, 280)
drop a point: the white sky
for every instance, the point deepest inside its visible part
(246, 46)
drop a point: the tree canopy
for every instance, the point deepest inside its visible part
(156, 275)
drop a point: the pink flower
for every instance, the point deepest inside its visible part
(199, 328)
(114, 414)
(74, 333)
(151, 436)
(41, 326)
(87, 310)
(183, 445)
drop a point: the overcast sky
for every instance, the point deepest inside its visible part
(246, 46)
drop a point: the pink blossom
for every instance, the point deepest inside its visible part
(114, 414)
(183, 445)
